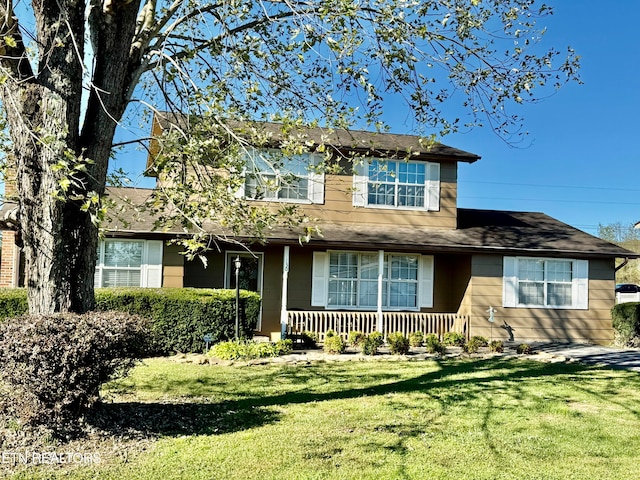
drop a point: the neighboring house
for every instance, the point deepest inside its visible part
(396, 254)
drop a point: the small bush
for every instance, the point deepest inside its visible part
(398, 343)
(309, 340)
(481, 341)
(474, 344)
(334, 344)
(453, 339)
(284, 347)
(329, 334)
(524, 349)
(416, 339)
(248, 350)
(355, 338)
(55, 364)
(626, 324)
(496, 346)
(433, 344)
(372, 343)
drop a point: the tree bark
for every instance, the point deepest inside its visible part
(43, 109)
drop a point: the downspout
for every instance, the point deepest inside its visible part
(626, 260)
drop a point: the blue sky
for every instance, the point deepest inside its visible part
(580, 161)
(581, 165)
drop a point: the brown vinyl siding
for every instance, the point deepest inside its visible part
(173, 267)
(542, 324)
(197, 276)
(338, 206)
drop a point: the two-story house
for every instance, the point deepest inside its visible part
(395, 254)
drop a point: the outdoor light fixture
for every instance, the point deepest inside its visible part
(238, 263)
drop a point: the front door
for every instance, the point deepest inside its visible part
(249, 273)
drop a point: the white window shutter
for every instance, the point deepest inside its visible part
(239, 193)
(580, 290)
(316, 188)
(426, 281)
(360, 185)
(510, 282)
(320, 279)
(97, 277)
(433, 186)
(152, 269)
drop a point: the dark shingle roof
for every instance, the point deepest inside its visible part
(345, 140)
(489, 231)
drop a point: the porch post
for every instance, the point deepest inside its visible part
(285, 288)
(380, 278)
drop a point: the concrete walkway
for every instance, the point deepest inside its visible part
(628, 359)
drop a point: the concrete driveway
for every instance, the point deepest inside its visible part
(611, 357)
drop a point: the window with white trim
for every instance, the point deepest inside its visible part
(350, 280)
(397, 184)
(270, 175)
(129, 263)
(545, 283)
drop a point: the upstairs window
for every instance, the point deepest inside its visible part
(272, 176)
(397, 184)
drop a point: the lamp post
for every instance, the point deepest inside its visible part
(237, 264)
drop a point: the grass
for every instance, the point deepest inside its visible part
(458, 419)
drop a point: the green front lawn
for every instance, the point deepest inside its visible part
(455, 419)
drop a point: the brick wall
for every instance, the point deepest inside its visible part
(9, 261)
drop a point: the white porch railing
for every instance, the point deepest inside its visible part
(342, 322)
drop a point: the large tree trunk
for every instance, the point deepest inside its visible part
(43, 109)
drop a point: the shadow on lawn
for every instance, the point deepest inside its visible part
(450, 384)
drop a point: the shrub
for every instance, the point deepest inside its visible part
(55, 364)
(626, 324)
(433, 344)
(372, 343)
(182, 316)
(334, 344)
(524, 349)
(416, 339)
(496, 346)
(398, 343)
(356, 338)
(248, 350)
(474, 344)
(284, 347)
(309, 340)
(13, 302)
(481, 341)
(329, 333)
(453, 339)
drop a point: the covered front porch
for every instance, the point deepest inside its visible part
(319, 322)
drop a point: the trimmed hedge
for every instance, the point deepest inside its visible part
(13, 302)
(180, 316)
(626, 323)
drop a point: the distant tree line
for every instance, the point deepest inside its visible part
(627, 236)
